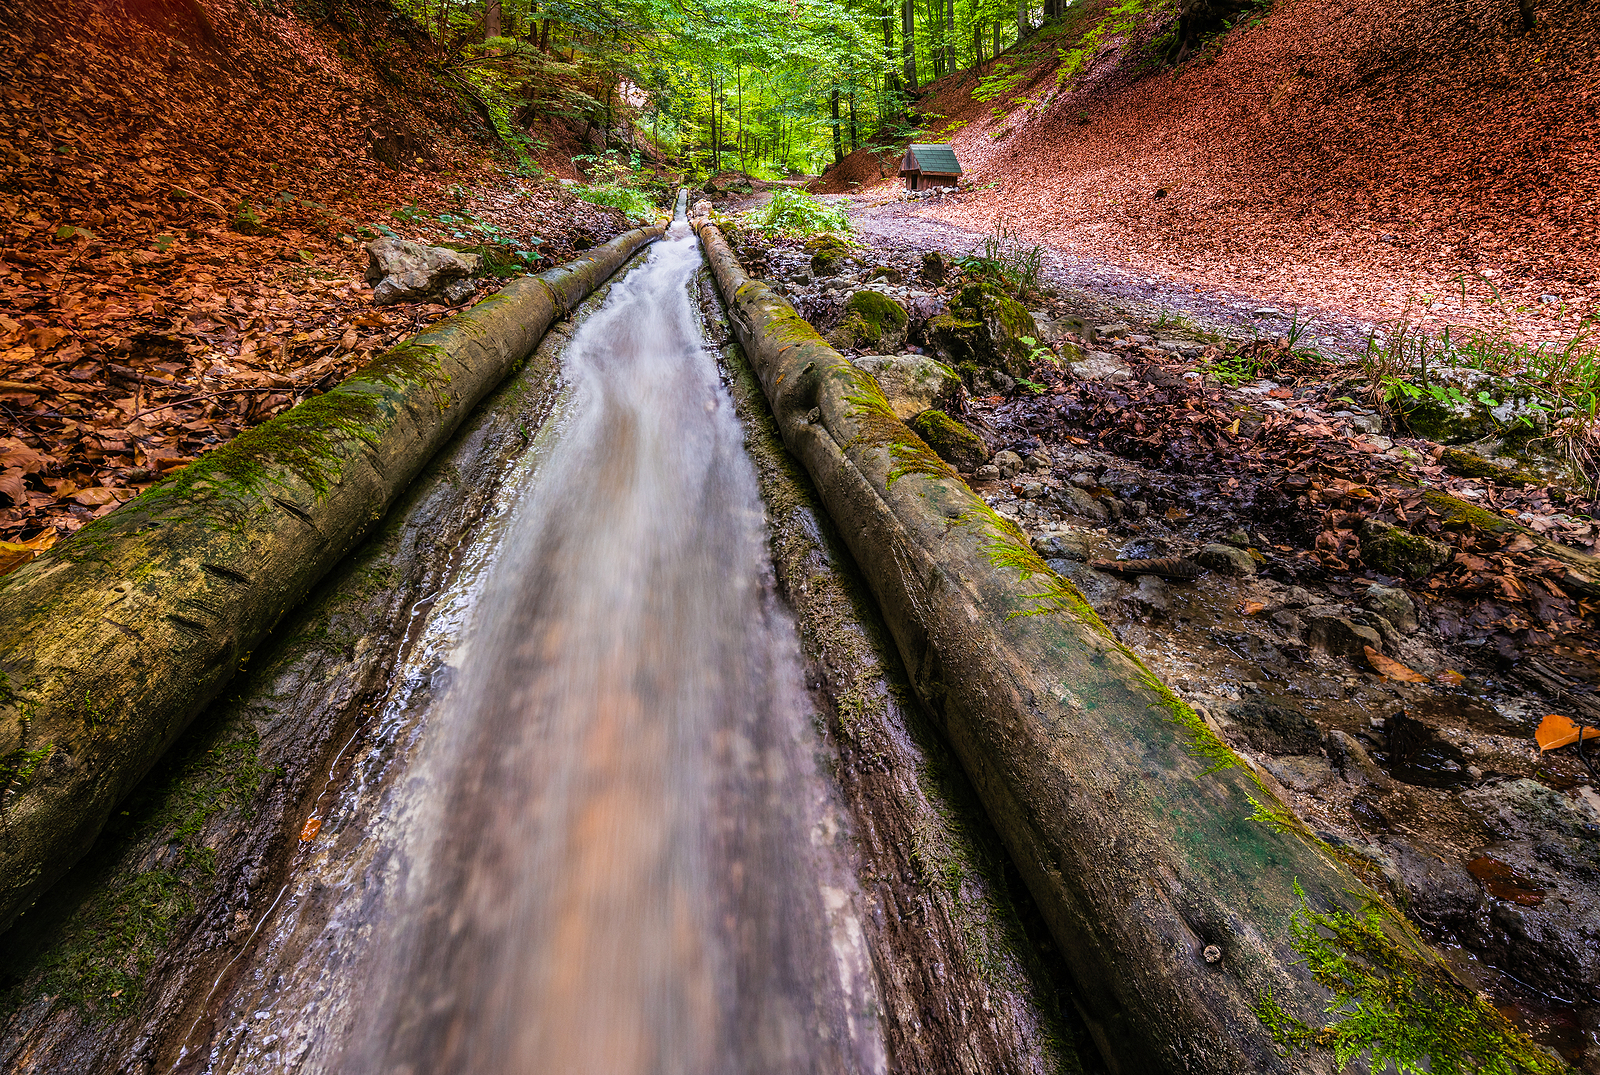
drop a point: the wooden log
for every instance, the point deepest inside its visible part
(1208, 930)
(113, 640)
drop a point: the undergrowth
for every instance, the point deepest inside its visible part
(636, 204)
(795, 214)
(1557, 384)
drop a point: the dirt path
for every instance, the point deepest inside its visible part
(1107, 291)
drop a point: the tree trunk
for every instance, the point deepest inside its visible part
(854, 143)
(995, 52)
(1023, 24)
(112, 641)
(838, 144)
(891, 81)
(1177, 886)
(908, 43)
(544, 36)
(950, 36)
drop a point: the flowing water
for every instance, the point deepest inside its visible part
(592, 836)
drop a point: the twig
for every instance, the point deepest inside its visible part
(202, 399)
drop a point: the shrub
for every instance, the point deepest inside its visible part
(795, 214)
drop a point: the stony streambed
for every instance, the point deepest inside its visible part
(1433, 790)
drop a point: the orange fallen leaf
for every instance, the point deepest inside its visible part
(313, 826)
(1250, 608)
(1234, 427)
(1387, 666)
(1557, 731)
(1450, 678)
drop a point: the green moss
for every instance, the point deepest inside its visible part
(1457, 513)
(1470, 465)
(1394, 1002)
(1006, 546)
(1396, 552)
(1204, 743)
(876, 424)
(827, 252)
(950, 440)
(878, 310)
(103, 955)
(18, 768)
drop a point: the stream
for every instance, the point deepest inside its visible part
(607, 853)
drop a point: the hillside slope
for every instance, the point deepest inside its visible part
(1362, 155)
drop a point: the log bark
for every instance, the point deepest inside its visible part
(112, 641)
(1181, 891)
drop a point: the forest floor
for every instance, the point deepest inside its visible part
(1396, 712)
(185, 200)
(1417, 160)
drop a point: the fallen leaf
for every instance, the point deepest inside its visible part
(1557, 731)
(1387, 666)
(1234, 428)
(1250, 608)
(1450, 678)
(93, 498)
(1504, 882)
(312, 827)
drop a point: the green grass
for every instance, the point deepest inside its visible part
(1560, 380)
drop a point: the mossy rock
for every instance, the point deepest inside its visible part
(950, 440)
(1463, 405)
(1467, 464)
(935, 267)
(913, 384)
(1396, 552)
(871, 320)
(828, 253)
(887, 273)
(986, 326)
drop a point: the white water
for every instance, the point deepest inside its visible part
(610, 852)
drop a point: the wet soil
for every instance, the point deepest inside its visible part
(1396, 712)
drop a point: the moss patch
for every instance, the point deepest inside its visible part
(827, 252)
(1394, 1002)
(102, 955)
(952, 441)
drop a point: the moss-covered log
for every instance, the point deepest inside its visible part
(1207, 928)
(112, 641)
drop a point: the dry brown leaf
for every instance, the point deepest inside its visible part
(1388, 666)
(1250, 608)
(1450, 678)
(1558, 731)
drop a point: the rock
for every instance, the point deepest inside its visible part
(1054, 330)
(888, 274)
(984, 328)
(913, 384)
(871, 319)
(1394, 605)
(458, 291)
(1541, 875)
(1288, 622)
(1010, 463)
(1340, 637)
(1152, 596)
(1297, 597)
(403, 271)
(987, 473)
(1396, 552)
(935, 268)
(950, 440)
(828, 253)
(1302, 774)
(1356, 764)
(1071, 546)
(1113, 331)
(1101, 366)
(1239, 539)
(1084, 479)
(1039, 462)
(1274, 729)
(1366, 423)
(1266, 311)
(1075, 501)
(1440, 894)
(1226, 560)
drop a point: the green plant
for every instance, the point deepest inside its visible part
(633, 202)
(1033, 386)
(795, 214)
(1554, 383)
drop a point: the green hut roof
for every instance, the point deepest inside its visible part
(938, 158)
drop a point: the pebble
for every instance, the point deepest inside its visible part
(1266, 311)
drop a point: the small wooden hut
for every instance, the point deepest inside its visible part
(929, 166)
